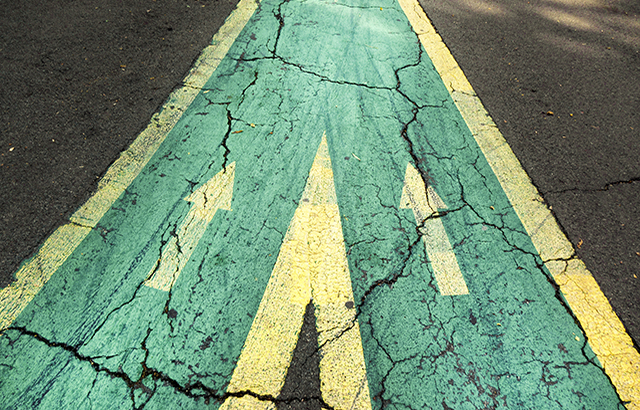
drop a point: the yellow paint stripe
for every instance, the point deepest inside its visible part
(343, 376)
(33, 274)
(311, 266)
(37, 271)
(606, 334)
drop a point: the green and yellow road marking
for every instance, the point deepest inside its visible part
(467, 318)
(311, 267)
(606, 334)
(34, 273)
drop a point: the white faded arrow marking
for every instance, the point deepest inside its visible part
(215, 194)
(425, 204)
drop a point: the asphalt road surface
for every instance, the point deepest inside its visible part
(560, 78)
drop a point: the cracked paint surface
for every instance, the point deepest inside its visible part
(96, 337)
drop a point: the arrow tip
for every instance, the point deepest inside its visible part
(217, 193)
(414, 194)
(320, 188)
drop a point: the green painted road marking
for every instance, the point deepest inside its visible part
(607, 336)
(96, 336)
(59, 246)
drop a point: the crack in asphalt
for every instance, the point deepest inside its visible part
(604, 188)
(418, 161)
(231, 120)
(198, 390)
(560, 298)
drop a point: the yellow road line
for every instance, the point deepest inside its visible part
(606, 334)
(33, 274)
(311, 266)
(425, 204)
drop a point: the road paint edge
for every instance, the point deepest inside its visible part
(604, 330)
(37, 270)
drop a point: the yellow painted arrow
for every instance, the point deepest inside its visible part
(311, 266)
(215, 194)
(425, 204)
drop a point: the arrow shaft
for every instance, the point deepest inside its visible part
(178, 250)
(342, 368)
(442, 257)
(425, 203)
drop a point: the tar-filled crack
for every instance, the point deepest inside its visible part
(231, 120)
(74, 223)
(323, 78)
(585, 341)
(140, 285)
(223, 144)
(380, 395)
(102, 231)
(199, 390)
(93, 385)
(106, 319)
(604, 188)
(278, 15)
(389, 281)
(540, 266)
(195, 390)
